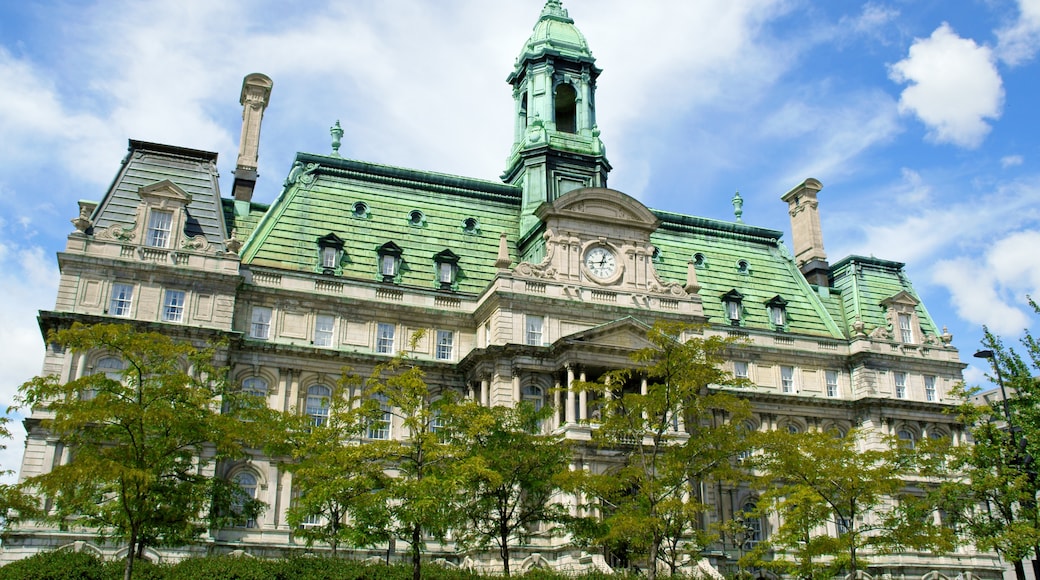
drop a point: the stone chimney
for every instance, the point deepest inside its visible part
(256, 93)
(806, 234)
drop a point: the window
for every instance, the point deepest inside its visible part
(445, 340)
(792, 429)
(777, 308)
(929, 388)
(447, 265)
(445, 273)
(487, 333)
(906, 438)
(159, 225)
(380, 428)
(245, 493)
(260, 325)
(752, 526)
(533, 395)
(323, 325)
(173, 306)
(110, 366)
(389, 261)
(255, 386)
(787, 379)
(360, 209)
(328, 257)
(699, 260)
(388, 266)
(740, 369)
(416, 218)
(385, 338)
(906, 332)
(470, 225)
(843, 525)
(900, 379)
(330, 253)
(566, 109)
(743, 267)
(732, 301)
(534, 330)
(122, 299)
(318, 404)
(831, 378)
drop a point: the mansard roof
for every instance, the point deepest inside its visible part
(149, 164)
(867, 285)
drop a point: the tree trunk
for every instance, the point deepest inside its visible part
(128, 570)
(1020, 570)
(416, 553)
(503, 532)
(655, 549)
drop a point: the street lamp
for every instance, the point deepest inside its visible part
(992, 357)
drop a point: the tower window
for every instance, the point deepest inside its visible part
(534, 330)
(743, 267)
(740, 369)
(831, 378)
(906, 331)
(777, 308)
(566, 109)
(323, 329)
(318, 404)
(900, 379)
(929, 388)
(787, 379)
(445, 340)
(260, 323)
(385, 338)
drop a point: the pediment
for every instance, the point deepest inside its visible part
(600, 204)
(625, 333)
(164, 192)
(901, 298)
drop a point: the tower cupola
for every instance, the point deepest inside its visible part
(556, 144)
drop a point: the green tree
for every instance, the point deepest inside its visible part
(141, 443)
(675, 431)
(15, 503)
(513, 473)
(857, 483)
(338, 487)
(424, 462)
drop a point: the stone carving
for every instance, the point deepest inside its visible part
(881, 333)
(857, 328)
(300, 173)
(946, 337)
(545, 269)
(121, 232)
(233, 244)
(197, 243)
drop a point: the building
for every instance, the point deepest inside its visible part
(524, 284)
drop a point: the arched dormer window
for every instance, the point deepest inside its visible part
(389, 261)
(330, 252)
(566, 108)
(777, 309)
(447, 263)
(732, 301)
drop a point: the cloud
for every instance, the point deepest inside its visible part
(873, 21)
(1011, 161)
(1018, 42)
(954, 87)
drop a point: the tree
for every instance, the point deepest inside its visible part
(676, 429)
(15, 503)
(423, 492)
(856, 483)
(513, 472)
(141, 442)
(338, 487)
(995, 496)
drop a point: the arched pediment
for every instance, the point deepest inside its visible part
(600, 204)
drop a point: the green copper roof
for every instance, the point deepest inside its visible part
(367, 205)
(555, 35)
(865, 282)
(242, 217)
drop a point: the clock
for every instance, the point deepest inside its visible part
(601, 262)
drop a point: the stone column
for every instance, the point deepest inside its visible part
(569, 411)
(583, 400)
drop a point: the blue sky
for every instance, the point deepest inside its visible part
(919, 117)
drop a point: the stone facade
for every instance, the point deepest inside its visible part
(522, 286)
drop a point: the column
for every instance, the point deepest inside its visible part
(569, 411)
(556, 404)
(485, 393)
(583, 399)
(516, 387)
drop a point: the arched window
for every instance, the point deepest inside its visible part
(246, 492)
(318, 404)
(566, 109)
(906, 438)
(379, 428)
(752, 525)
(255, 386)
(533, 395)
(110, 366)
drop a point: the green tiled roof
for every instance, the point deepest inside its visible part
(554, 35)
(193, 171)
(242, 216)
(320, 196)
(770, 272)
(865, 282)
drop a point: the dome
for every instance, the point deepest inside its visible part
(556, 35)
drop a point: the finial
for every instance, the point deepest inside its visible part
(554, 8)
(692, 286)
(337, 136)
(738, 206)
(503, 260)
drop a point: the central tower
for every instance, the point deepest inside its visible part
(556, 147)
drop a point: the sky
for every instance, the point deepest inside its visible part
(920, 117)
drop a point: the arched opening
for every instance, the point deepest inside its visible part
(523, 113)
(566, 109)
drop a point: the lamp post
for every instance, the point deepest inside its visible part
(1020, 459)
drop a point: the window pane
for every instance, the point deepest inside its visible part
(733, 310)
(318, 404)
(380, 428)
(388, 265)
(900, 385)
(261, 323)
(446, 270)
(929, 388)
(122, 299)
(534, 330)
(832, 383)
(159, 224)
(323, 326)
(740, 369)
(905, 330)
(777, 315)
(328, 257)
(445, 340)
(173, 306)
(385, 338)
(787, 379)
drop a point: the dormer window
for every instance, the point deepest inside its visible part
(447, 267)
(743, 267)
(416, 218)
(330, 248)
(160, 223)
(901, 312)
(777, 308)
(360, 209)
(906, 329)
(732, 301)
(699, 260)
(389, 261)
(470, 225)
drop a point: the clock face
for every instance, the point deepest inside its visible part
(601, 262)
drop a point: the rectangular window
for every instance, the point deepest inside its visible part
(173, 306)
(380, 428)
(487, 334)
(385, 338)
(787, 379)
(776, 314)
(260, 325)
(122, 299)
(159, 225)
(900, 385)
(328, 257)
(323, 325)
(740, 369)
(733, 311)
(388, 265)
(446, 271)
(906, 333)
(534, 330)
(445, 342)
(929, 389)
(831, 377)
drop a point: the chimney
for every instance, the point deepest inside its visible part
(806, 234)
(256, 92)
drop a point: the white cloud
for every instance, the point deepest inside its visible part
(874, 20)
(954, 87)
(1018, 42)
(1011, 161)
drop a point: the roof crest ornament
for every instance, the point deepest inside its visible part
(337, 135)
(738, 207)
(555, 8)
